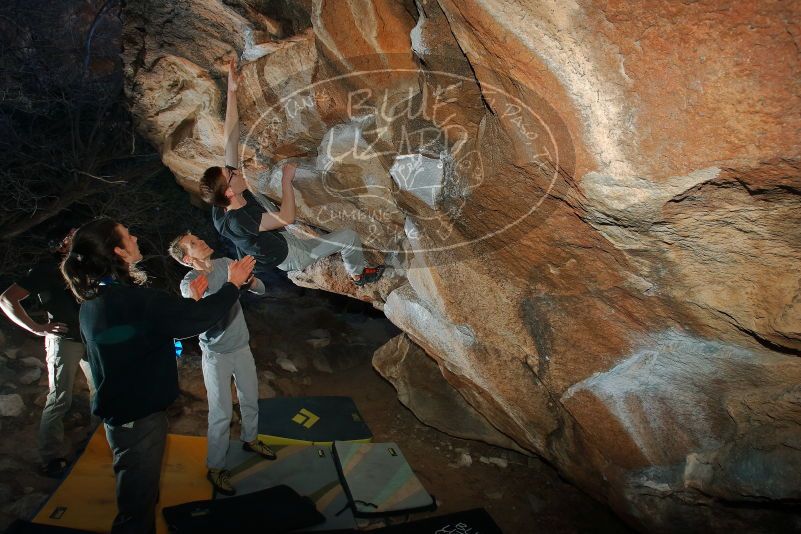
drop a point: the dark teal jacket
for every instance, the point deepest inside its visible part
(129, 332)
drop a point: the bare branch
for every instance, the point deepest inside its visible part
(101, 178)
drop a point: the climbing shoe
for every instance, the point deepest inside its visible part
(221, 480)
(259, 448)
(369, 275)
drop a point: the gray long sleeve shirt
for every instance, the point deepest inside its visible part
(231, 332)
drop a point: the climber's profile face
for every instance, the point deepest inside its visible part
(229, 174)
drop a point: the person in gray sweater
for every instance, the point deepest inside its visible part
(226, 353)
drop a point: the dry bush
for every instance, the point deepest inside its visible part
(68, 146)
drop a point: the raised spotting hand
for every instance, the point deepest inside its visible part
(198, 286)
(239, 271)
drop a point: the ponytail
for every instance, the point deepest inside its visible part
(91, 259)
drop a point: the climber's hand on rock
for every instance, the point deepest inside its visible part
(234, 76)
(288, 173)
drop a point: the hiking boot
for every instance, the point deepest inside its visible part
(369, 275)
(221, 480)
(259, 448)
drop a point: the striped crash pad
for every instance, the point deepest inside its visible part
(378, 481)
(309, 470)
(85, 500)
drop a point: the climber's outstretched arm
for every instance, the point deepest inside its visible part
(231, 128)
(286, 215)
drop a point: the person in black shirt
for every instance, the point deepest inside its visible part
(128, 332)
(256, 226)
(63, 347)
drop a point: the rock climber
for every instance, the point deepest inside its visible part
(257, 227)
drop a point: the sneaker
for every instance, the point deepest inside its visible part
(369, 275)
(259, 448)
(54, 468)
(221, 480)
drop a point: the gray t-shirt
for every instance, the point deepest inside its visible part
(231, 333)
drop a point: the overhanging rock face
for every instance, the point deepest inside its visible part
(591, 211)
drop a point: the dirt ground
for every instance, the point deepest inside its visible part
(310, 343)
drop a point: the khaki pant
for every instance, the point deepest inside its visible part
(63, 359)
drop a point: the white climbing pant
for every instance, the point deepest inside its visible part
(217, 372)
(304, 252)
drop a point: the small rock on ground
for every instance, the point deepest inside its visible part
(500, 462)
(286, 364)
(9, 464)
(26, 507)
(11, 405)
(465, 460)
(30, 376)
(30, 361)
(320, 363)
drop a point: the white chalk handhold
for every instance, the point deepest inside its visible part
(419, 175)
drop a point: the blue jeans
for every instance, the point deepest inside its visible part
(138, 449)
